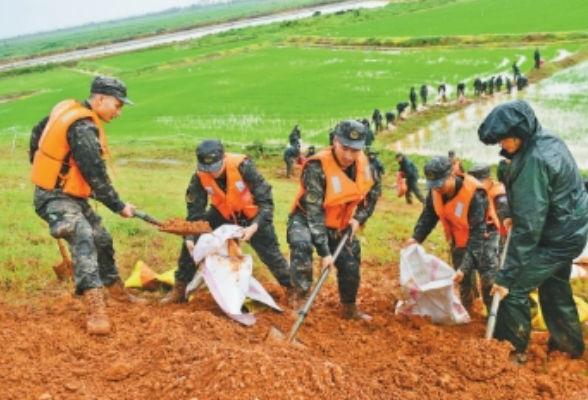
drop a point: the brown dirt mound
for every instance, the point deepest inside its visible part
(195, 352)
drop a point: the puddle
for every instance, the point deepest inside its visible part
(559, 102)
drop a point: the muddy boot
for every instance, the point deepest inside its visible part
(176, 295)
(518, 359)
(118, 292)
(97, 319)
(350, 311)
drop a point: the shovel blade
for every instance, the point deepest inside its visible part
(275, 336)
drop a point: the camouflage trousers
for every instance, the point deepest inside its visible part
(301, 249)
(90, 244)
(486, 270)
(264, 242)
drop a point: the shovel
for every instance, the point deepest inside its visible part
(496, 298)
(276, 335)
(176, 226)
(64, 271)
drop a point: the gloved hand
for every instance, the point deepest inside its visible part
(458, 276)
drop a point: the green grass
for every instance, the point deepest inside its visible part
(260, 95)
(470, 17)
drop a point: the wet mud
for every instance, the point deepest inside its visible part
(193, 351)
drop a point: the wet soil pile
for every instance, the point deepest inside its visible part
(194, 351)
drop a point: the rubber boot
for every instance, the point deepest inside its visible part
(97, 319)
(118, 292)
(177, 295)
(350, 311)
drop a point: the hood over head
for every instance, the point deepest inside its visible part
(511, 119)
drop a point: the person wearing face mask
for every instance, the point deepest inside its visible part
(338, 192)
(460, 203)
(549, 212)
(238, 194)
(67, 151)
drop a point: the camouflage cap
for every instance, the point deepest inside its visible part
(437, 169)
(480, 171)
(210, 154)
(351, 134)
(110, 87)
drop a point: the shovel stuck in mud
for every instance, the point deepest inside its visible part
(275, 335)
(176, 226)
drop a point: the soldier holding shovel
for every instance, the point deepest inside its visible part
(549, 211)
(338, 191)
(67, 150)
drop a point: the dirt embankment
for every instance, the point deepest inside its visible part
(195, 352)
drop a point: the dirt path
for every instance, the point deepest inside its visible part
(194, 352)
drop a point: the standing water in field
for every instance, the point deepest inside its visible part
(560, 103)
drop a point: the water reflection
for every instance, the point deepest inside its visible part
(559, 102)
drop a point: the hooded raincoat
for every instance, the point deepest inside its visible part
(549, 209)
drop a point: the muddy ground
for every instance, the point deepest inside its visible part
(193, 351)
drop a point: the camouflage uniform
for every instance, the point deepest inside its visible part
(465, 259)
(306, 228)
(264, 241)
(72, 218)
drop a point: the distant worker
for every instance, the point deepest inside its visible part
(400, 108)
(335, 196)
(390, 117)
(461, 92)
(522, 82)
(491, 86)
(498, 83)
(455, 163)
(460, 203)
(515, 72)
(549, 210)
(424, 94)
(537, 57)
(442, 93)
(508, 85)
(376, 164)
(484, 88)
(67, 150)
(291, 154)
(411, 175)
(377, 120)
(478, 87)
(413, 100)
(239, 195)
(294, 137)
(310, 152)
(369, 134)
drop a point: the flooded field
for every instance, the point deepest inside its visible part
(561, 105)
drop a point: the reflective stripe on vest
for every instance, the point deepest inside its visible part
(53, 149)
(238, 198)
(454, 214)
(342, 195)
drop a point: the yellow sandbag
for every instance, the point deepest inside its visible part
(142, 277)
(580, 287)
(168, 277)
(253, 306)
(538, 323)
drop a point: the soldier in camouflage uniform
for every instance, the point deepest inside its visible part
(496, 227)
(253, 210)
(338, 191)
(452, 194)
(82, 144)
(290, 154)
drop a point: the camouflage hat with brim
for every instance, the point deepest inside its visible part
(110, 87)
(437, 169)
(210, 154)
(351, 134)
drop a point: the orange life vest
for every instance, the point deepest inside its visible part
(238, 198)
(53, 149)
(497, 189)
(454, 213)
(457, 168)
(342, 194)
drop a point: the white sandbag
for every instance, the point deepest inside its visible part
(228, 273)
(427, 283)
